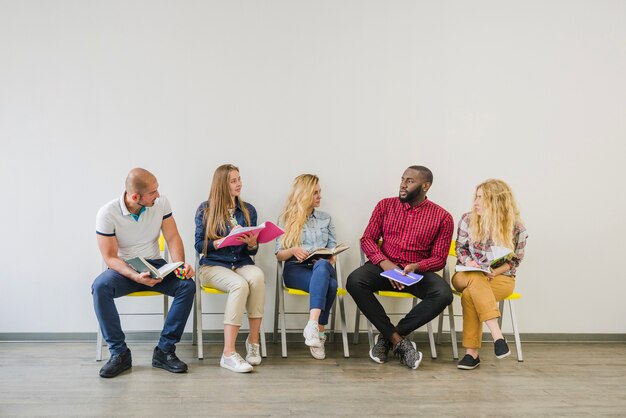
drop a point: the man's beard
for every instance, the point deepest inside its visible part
(410, 196)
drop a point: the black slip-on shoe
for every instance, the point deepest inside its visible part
(501, 348)
(468, 362)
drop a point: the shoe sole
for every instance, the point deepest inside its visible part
(312, 344)
(108, 376)
(253, 362)
(418, 362)
(162, 366)
(318, 357)
(232, 369)
(501, 356)
(376, 359)
(463, 367)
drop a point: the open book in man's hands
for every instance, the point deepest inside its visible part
(397, 275)
(325, 252)
(141, 265)
(267, 232)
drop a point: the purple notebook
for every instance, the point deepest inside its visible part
(399, 276)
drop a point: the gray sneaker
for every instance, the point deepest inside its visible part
(253, 353)
(407, 352)
(381, 348)
(319, 352)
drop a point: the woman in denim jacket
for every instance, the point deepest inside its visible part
(231, 269)
(306, 229)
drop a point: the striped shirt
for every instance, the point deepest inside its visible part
(467, 249)
(419, 234)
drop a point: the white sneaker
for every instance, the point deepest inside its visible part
(319, 352)
(235, 363)
(253, 353)
(311, 335)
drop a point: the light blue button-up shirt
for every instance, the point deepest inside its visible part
(318, 232)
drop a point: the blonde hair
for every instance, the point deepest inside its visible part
(297, 209)
(216, 213)
(499, 214)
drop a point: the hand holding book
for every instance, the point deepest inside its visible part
(263, 233)
(324, 253)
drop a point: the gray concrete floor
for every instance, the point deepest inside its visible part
(556, 379)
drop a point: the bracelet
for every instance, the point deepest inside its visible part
(254, 247)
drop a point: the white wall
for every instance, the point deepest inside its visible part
(532, 92)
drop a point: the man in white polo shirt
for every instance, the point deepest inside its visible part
(129, 227)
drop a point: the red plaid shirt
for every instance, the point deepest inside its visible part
(419, 234)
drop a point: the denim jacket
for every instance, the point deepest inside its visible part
(230, 257)
(317, 232)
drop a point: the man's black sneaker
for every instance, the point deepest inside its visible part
(381, 348)
(501, 348)
(117, 364)
(409, 356)
(167, 361)
(468, 362)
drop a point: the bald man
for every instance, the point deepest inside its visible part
(129, 227)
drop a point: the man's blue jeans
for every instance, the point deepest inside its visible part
(320, 281)
(110, 285)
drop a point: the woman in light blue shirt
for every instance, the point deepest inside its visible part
(307, 229)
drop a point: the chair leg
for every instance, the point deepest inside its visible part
(277, 302)
(501, 308)
(518, 342)
(283, 325)
(194, 332)
(166, 307)
(333, 322)
(344, 327)
(199, 336)
(455, 350)
(370, 334)
(357, 317)
(431, 338)
(99, 344)
(439, 327)
(263, 345)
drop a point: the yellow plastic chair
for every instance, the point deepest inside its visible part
(280, 312)
(390, 294)
(165, 254)
(197, 337)
(510, 299)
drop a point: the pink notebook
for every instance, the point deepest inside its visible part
(267, 232)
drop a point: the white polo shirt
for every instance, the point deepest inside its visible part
(135, 238)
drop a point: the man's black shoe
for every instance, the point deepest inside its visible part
(167, 361)
(117, 364)
(500, 348)
(468, 362)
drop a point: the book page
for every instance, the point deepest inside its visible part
(168, 268)
(470, 268)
